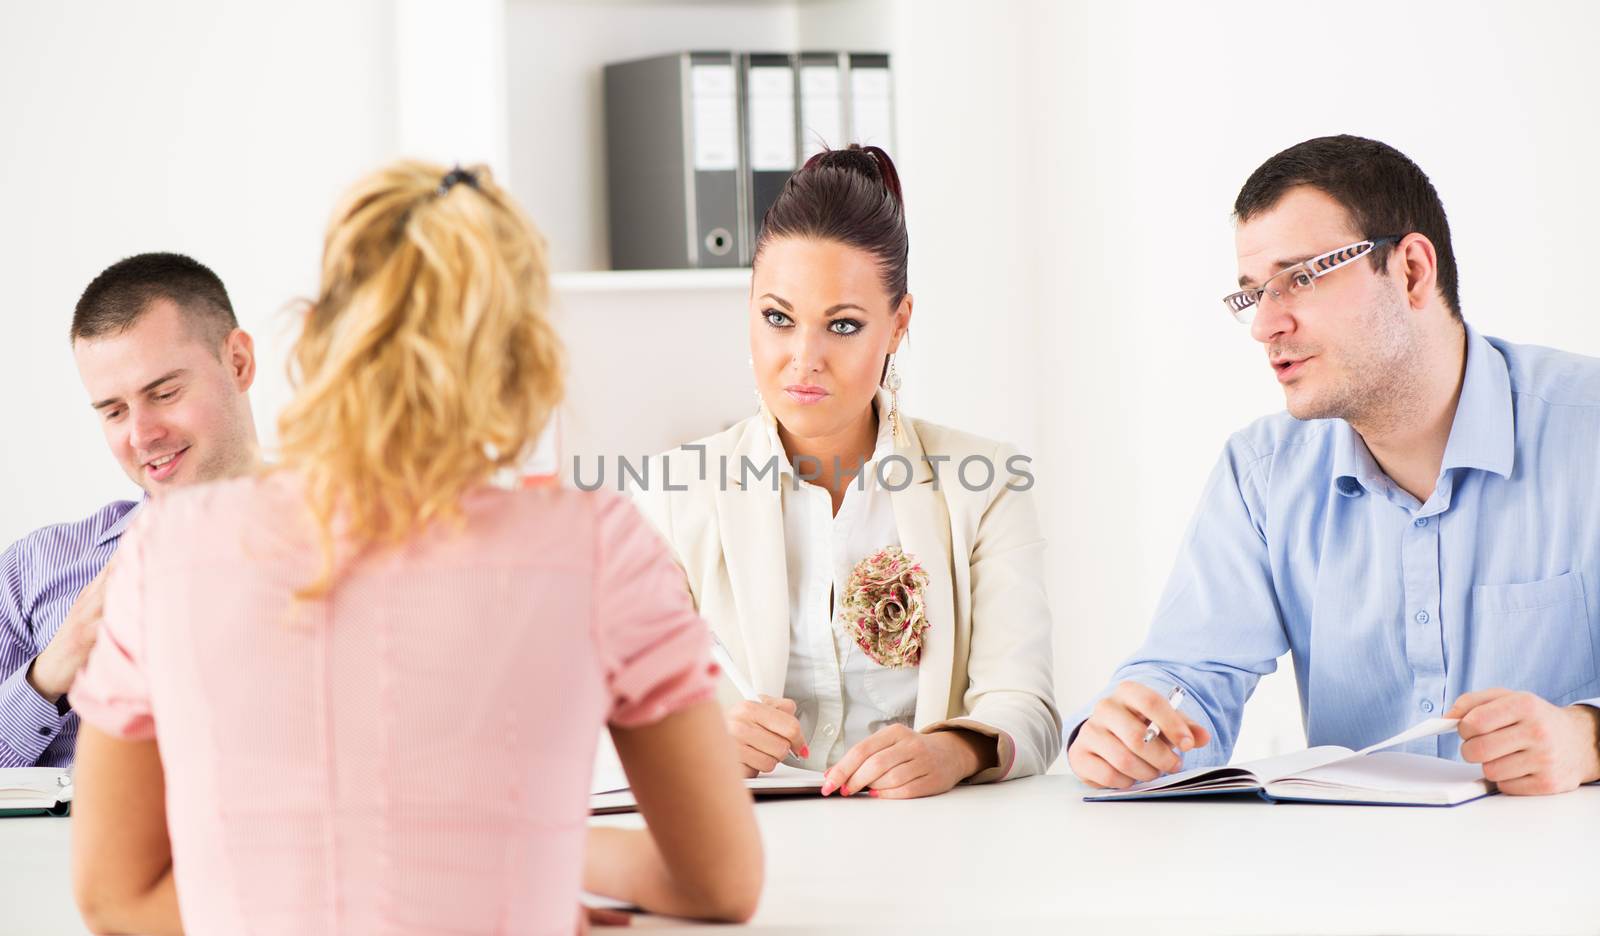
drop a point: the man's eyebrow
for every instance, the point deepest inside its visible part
(170, 375)
(1279, 267)
(780, 301)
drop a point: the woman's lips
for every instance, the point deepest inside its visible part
(806, 395)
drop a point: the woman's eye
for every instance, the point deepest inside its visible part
(775, 318)
(844, 326)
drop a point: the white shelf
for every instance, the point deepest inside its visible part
(604, 281)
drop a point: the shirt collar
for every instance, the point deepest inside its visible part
(883, 447)
(1482, 434)
(117, 528)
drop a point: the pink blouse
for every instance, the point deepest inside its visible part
(412, 753)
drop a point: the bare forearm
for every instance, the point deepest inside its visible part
(625, 864)
(154, 912)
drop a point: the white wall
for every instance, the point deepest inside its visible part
(220, 130)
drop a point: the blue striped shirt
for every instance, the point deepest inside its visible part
(1391, 608)
(40, 577)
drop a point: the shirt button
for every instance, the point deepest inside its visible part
(827, 730)
(43, 730)
(1421, 521)
(1422, 617)
(1426, 706)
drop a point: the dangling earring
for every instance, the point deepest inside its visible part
(891, 383)
(761, 404)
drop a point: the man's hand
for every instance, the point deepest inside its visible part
(58, 663)
(1526, 745)
(765, 732)
(899, 763)
(1109, 750)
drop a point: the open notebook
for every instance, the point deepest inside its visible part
(35, 791)
(782, 781)
(1329, 774)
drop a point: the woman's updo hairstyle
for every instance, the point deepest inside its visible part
(851, 196)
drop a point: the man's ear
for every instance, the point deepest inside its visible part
(239, 354)
(1420, 266)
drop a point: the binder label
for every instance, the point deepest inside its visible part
(716, 117)
(771, 100)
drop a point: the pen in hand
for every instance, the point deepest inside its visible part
(1174, 700)
(724, 660)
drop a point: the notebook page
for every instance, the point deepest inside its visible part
(1188, 779)
(29, 783)
(1394, 776)
(1427, 729)
(1270, 769)
(784, 777)
(1246, 776)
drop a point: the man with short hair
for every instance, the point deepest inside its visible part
(168, 370)
(1421, 529)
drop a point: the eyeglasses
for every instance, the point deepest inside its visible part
(1298, 281)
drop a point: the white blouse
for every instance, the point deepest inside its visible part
(842, 695)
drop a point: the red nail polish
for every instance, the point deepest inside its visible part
(873, 793)
(805, 751)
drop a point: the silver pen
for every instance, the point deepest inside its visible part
(1174, 700)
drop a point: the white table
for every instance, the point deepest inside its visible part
(1030, 856)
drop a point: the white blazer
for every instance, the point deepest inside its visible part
(986, 660)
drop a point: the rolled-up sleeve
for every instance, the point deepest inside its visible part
(655, 650)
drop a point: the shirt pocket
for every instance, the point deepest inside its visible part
(1532, 637)
(892, 690)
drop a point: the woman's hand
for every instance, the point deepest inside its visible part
(898, 763)
(764, 733)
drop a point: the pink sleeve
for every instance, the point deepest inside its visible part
(110, 692)
(654, 648)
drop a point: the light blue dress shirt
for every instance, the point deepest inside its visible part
(1392, 608)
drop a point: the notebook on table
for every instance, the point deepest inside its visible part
(1371, 776)
(606, 798)
(35, 791)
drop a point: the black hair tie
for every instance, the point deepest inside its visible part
(455, 175)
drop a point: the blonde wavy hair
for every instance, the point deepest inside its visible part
(427, 361)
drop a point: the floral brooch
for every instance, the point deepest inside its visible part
(885, 609)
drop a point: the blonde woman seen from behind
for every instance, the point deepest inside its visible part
(374, 680)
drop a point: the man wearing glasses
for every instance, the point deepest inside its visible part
(1421, 530)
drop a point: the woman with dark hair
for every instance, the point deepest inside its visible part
(877, 580)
